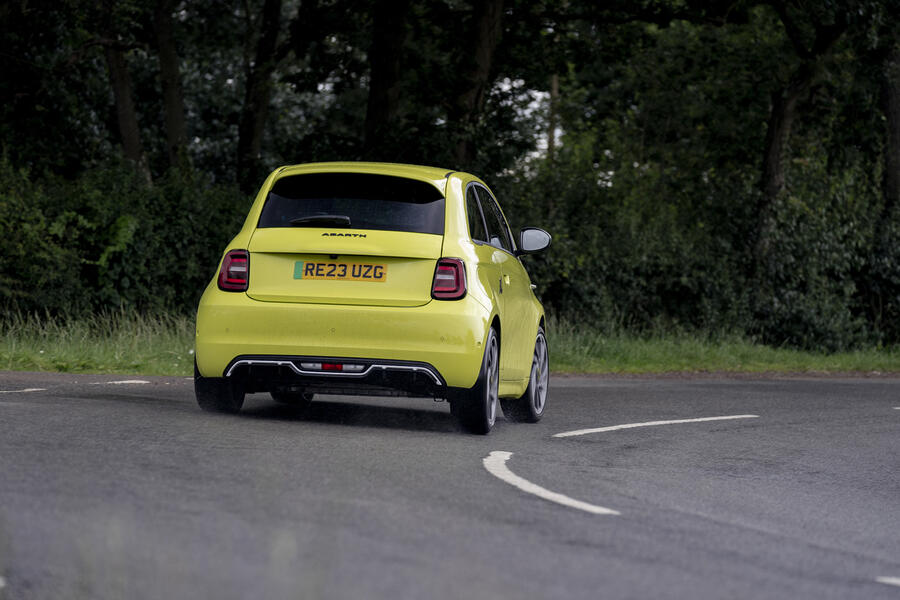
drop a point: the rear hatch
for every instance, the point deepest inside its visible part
(347, 238)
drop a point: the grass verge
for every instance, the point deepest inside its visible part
(576, 350)
(106, 343)
(131, 343)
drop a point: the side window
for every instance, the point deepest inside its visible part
(476, 224)
(499, 234)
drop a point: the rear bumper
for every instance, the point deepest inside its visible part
(377, 377)
(448, 336)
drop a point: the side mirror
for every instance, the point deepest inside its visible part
(533, 239)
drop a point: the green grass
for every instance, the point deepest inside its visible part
(107, 343)
(577, 350)
(131, 343)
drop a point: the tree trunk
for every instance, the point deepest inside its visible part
(385, 65)
(892, 143)
(170, 80)
(258, 92)
(778, 132)
(487, 28)
(126, 115)
(784, 108)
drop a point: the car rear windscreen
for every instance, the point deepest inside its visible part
(354, 201)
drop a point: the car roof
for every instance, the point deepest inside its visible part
(432, 174)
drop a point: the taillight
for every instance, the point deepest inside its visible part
(449, 280)
(235, 273)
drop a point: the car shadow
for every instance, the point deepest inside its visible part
(350, 414)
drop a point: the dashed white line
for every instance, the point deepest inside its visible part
(124, 381)
(2, 583)
(495, 463)
(649, 424)
(889, 580)
(26, 390)
(897, 408)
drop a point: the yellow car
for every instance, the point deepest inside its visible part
(376, 279)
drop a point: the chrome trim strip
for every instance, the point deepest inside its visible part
(299, 371)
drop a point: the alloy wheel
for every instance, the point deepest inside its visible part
(493, 369)
(540, 373)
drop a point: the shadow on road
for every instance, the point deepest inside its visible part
(344, 413)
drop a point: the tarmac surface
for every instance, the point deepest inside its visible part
(113, 488)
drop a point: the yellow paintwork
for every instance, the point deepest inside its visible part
(312, 320)
(408, 282)
(312, 239)
(409, 258)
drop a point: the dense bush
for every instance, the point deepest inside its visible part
(108, 240)
(635, 249)
(630, 251)
(809, 291)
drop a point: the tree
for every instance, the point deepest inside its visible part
(385, 67)
(257, 93)
(812, 37)
(126, 115)
(170, 82)
(891, 87)
(484, 35)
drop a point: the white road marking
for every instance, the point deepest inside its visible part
(649, 424)
(125, 381)
(2, 583)
(23, 391)
(495, 463)
(889, 580)
(897, 408)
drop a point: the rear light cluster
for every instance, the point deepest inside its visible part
(234, 276)
(449, 279)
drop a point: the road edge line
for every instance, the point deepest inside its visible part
(495, 463)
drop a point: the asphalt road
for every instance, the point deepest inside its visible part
(127, 490)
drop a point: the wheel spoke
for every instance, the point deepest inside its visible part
(492, 374)
(540, 374)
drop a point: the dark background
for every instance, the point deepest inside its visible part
(717, 167)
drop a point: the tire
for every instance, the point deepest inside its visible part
(217, 394)
(529, 407)
(295, 398)
(477, 407)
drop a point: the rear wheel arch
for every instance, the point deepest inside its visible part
(477, 407)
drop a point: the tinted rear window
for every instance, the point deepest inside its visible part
(369, 201)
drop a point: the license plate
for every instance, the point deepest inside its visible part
(340, 271)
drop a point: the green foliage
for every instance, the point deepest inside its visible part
(39, 268)
(652, 193)
(624, 253)
(809, 293)
(653, 205)
(107, 240)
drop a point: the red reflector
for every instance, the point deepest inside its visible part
(235, 272)
(332, 367)
(449, 279)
